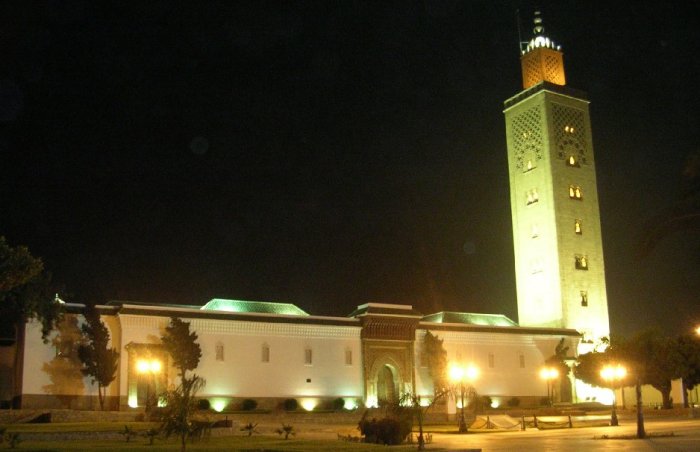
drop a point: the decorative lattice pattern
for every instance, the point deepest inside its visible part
(527, 137)
(531, 72)
(542, 65)
(570, 133)
(553, 69)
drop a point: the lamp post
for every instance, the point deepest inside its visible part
(149, 367)
(461, 377)
(549, 374)
(613, 374)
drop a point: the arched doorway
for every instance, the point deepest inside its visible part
(387, 385)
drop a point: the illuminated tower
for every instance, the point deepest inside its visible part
(558, 247)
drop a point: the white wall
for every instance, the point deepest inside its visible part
(38, 355)
(242, 372)
(506, 377)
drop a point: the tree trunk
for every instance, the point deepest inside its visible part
(100, 396)
(641, 434)
(421, 439)
(667, 402)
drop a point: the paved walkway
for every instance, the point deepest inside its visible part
(686, 437)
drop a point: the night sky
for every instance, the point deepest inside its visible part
(330, 154)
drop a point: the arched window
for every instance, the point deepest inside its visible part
(532, 196)
(577, 227)
(265, 356)
(584, 298)
(575, 192)
(308, 356)
(219, 351)
(571, 161)
(581, 262)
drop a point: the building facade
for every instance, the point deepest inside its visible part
(270, 352)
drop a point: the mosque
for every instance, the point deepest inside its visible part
(270, 352)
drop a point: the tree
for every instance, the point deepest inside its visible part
(99, 360)
(689, 350)
(182, 346)
(185, 352)
(419, 410)
(558, 361)
(25, 291)
(435, 358)
(25, 294)
(649, 357)
(654, 359)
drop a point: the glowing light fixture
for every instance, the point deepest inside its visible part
(144, 366)
(549, 374)
(218, 405)
(309, 404)
(613, 374)
(372, 402)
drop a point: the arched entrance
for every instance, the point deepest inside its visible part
(387, 385)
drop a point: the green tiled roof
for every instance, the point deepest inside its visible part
(260, 307)
(469, 319)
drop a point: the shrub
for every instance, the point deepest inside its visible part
(286, 430)
(338, 404)
(151, 434)
(486, 402)
(389, 431)
(250, 428)
(290, 405)
(249, 405)
(203, 404)
(128, 433)
(513, 402)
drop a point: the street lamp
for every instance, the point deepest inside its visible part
(613, 374)
(462, 377)
(549, 374)
(149, 367)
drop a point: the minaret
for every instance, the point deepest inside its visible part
(559, 265)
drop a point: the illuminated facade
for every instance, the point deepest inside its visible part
(273, 351)
(558, 249)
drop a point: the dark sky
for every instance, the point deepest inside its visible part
(330, 154)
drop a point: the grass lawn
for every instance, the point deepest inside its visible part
(234, 443)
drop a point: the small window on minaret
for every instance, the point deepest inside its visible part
(584, 298)
(575, 192)
(577, 227)
(571, 161)
(534, 231)
(532, 196)
(581, 262)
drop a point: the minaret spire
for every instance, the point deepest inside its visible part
(542, 59)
